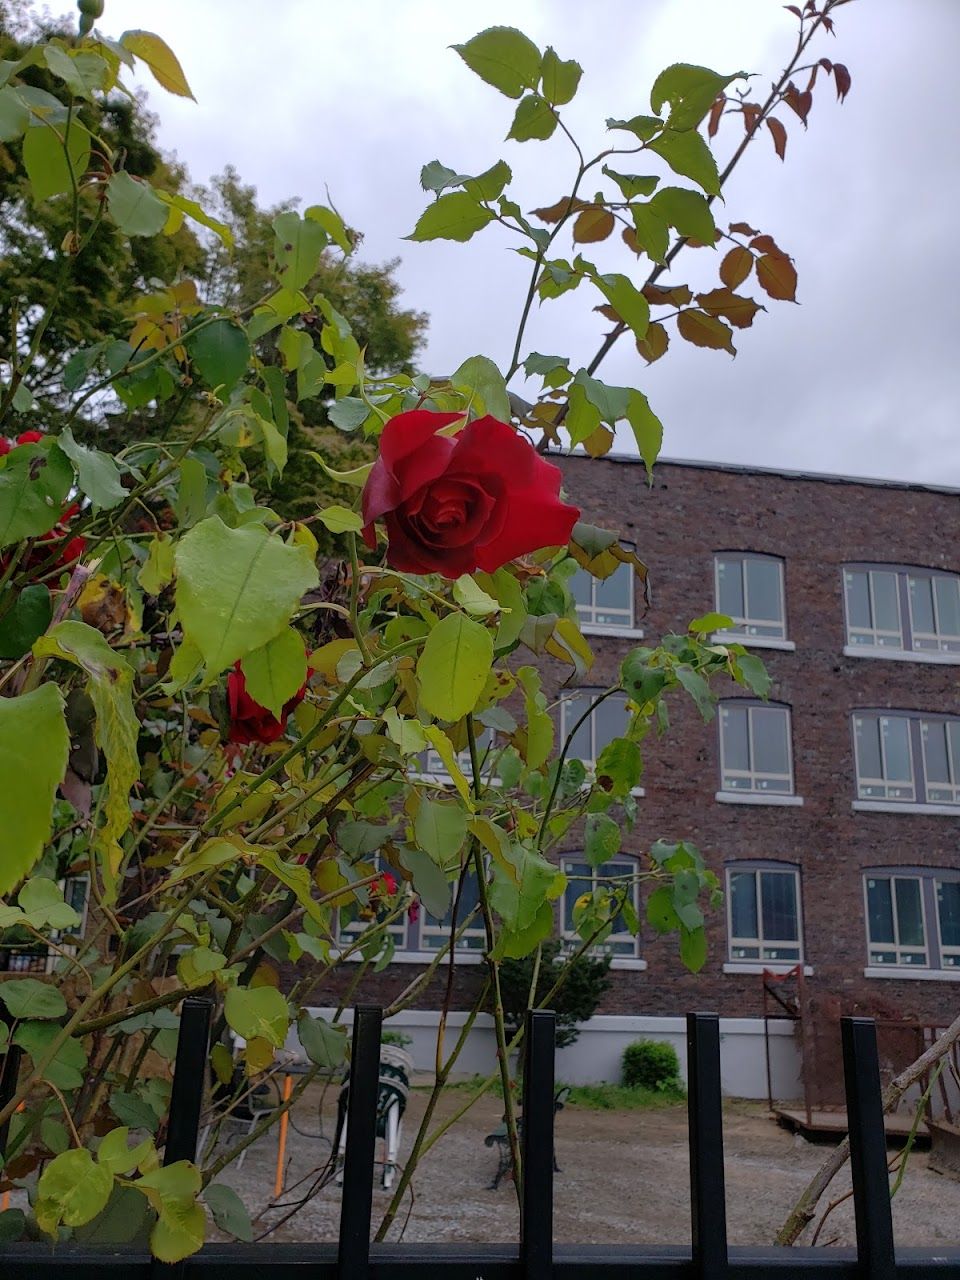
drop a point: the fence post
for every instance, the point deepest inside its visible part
(708, 1205)
(868, 1149)
(353, 1255)
(536, 1217)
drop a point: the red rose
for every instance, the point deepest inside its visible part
(387, 884)
(249, 722)
(29, 437)
(453, 504)
(5, 446)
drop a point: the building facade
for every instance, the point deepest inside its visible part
(831, 811)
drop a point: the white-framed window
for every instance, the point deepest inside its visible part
(872, 600)
(947, 893)
(435, 933)
(901, 611)
(356, 919)
(606, 603)
(430, 763)
(896, 920)
(763, 913)
(583, 878)
(884, 757)
(750, 590)
(608, 720)
(940, 740)
(755, 748)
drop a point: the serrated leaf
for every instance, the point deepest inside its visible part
(34, 748)
(736, 266)
(534, 119)
(647, 428)
(455, 216)
(777, 276)
(276, 671)
(632, 184)
(687, 211)
(651, 231)
(704, 330)
(134, 206)
(559, 79)
(437, 177)
(161, 60)
(480, 375)
(687, 154)
(453, 667)
(488, 185)
(503, 57)
(642, 127)
(627, 300)
(689, 90)
(74, 1189)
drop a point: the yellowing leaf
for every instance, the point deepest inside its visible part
(161, 60)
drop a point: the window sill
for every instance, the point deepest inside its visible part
(444, 779)
(415, 957)
(900, 972)
(628, 962)
(753, 797)
(621, 633)
(754, 642)
(768, 966)
(906, 806)
(902, 655)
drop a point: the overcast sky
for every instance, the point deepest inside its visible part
(863, 377)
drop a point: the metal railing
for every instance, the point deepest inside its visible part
(536, 1257)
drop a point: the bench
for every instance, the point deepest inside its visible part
(501, 1140)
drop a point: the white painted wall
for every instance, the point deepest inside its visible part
(596, 1055)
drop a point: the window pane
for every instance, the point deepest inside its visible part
(935, 751)
(574, 706)
(733, 727)
(610, 721)
(764, 598)
(886, 602)
(879, 911)
(730, 588)
(895, 733)
(948, 907)
(771, 752)
(743, 904)
(858, 599)
(867, 732)
(581, 585)
(921, 604)
(614, 592)
(948, 605)
(909, 913)
(779, 900)
(579, 881)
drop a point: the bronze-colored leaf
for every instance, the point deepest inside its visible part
(779, 135)
(766, 244)
(608, 312)
(716, 111)
(704, 330)
(723, 302)
(593, 224)
(736, 266)
(678, 296)
(554, 212)
(797, 101)
(751, 116)
(742, 229)
(841, 78)
(654, 343)
(599, 442)
(778, 276)
(629, 237)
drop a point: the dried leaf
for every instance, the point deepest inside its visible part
(629, 237)
(778, 276)
(678, 296)
(563, 207)
(841, 78)
(736, 266)
(716, 111)
(654, 343)
(704, 330)
(766, 244)
(797, 101)
(595, 223)
(723, 302)
(742, 229)
(779, 135)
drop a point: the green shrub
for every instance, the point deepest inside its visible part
(651, 1064)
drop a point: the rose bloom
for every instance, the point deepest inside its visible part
(249, 722)
(25, 437)
(453, 504)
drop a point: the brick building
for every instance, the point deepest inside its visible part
(831, 811)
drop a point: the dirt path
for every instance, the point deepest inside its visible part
(624, 1178)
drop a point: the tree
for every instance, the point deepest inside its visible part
(586, 979)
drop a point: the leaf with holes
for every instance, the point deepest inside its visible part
(689, 91)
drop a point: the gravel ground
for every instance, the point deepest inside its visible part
(624, 1178)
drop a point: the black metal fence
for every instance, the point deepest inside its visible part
(537, 1257)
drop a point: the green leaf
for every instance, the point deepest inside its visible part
(114, 1155)
(473, 598)
(34, 748)
(647, 428)
(43, 902)
(348, 413)
(158, 568)
(299, 244)
(611, 402)
(481, 377)
(160, 58)
(340, 519)
(627, 300)
(687, 154)
(191, 503)
(453, 667)
(28, 998)
(455, 216)
(437, 177)
(711, 622)
(660, 910)
(698, 690)
(229, 1211)
(134, 206)
(651, 229)
(323, 1044)
(489, 184)
(33, 486)
(28, 618)
(689, 91)
(356, 477)
(72, 1189)
(686, 210)
(601, 839)
(440, 829)
(237, 588)
(640, 680)
(619, 767)
(754, 674)
(632, 184)
(693, 948)
(133, 1111)
(258, 1013)
(191, 209)
(534, 119)
(179, 1230)
(332, 224)
(503, 57)
(538, 739)
(642, 127)
(407, 734)
(14, 115)
(49, 165)
(98, 476)
(110, 686)
(220, 352)
(276, 671)
(520, 942)
(559, 80)
(13, 1223)
(429, 882)
(67, 1070)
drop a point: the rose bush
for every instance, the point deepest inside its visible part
(455, 503)
(249, 721)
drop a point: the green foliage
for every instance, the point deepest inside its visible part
(587, 979)
(652, 1065)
